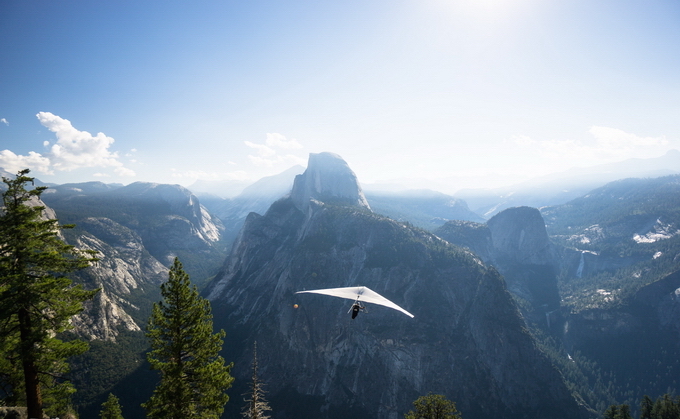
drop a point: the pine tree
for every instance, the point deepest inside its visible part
(624, 412)
(37, 300)
(612, 412)
(111, 408)
(433, 406)
(194, 378)
(646, 406)
(257, 405)
(666, 408)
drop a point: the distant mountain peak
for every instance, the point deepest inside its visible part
(328, 178)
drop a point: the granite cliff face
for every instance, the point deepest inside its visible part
(328, 178)
(467, 339)
(169, 219)
(137, 230)
(125, 268)
(179, 221)
(518, 235)
(516, 242)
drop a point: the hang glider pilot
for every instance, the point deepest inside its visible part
(356, 308)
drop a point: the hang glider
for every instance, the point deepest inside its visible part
(358, 294)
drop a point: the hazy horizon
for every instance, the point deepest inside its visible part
(575, 177)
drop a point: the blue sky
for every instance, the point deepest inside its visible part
(445, 93)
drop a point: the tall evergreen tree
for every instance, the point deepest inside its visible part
(666, 408)
(646, 406)
(37, 300)
(433, 406)
(111, 408)
(624, 412)
(612, 412)
(257, 405)
(194, 378)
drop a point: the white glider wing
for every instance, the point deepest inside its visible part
(358, 294)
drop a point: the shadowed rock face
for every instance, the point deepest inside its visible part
(516, 242)
(467, 340)
(519, 235)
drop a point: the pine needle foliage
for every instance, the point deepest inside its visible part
(37, 300)
(194, 378)
(111, 408)
(257, 405)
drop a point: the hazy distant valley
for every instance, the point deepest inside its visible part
(555, 298)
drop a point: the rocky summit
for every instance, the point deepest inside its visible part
(466, 341)
(328, 178)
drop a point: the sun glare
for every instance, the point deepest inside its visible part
(486, 12)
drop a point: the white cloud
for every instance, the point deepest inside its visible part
(124, 171)
(613, 139)
(75, 149)
(523, 140)
(35, 161)
(4, 121)
(262, 150)
(267, 156)
(277, 140)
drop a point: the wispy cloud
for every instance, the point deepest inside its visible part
(268, 156)
(73, 149)
(605, 144)
(614, 139)
(263, 151)
(278, 140)
(4, 121)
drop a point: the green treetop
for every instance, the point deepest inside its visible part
(37, 300)
(646, 406)
(666, 408)
(111, 408)
(194, 378)
(433, 406)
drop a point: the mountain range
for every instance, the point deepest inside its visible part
(559, 188)
(526, 311)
